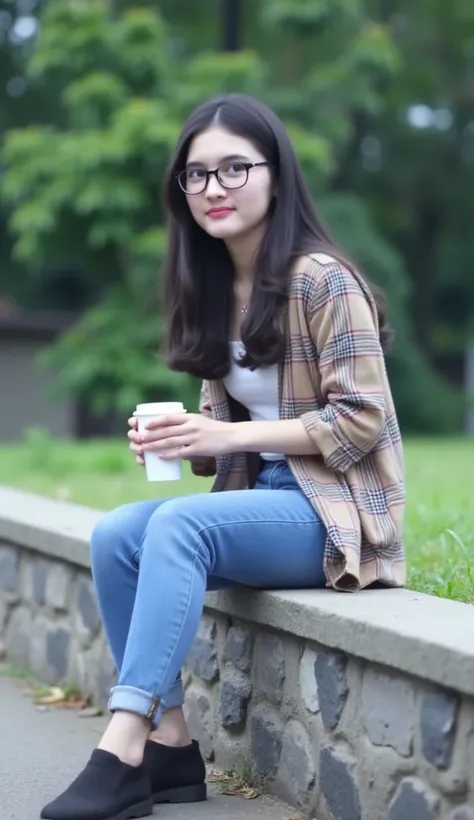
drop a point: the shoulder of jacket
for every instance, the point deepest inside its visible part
(319, 278)
(308, 260)
(314, 264)
(310, 270)
(322, 259)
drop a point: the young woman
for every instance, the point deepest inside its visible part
(296, 415)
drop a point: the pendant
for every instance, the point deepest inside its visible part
(244, 309)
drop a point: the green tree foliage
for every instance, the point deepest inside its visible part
(416, 171)
(84, 189)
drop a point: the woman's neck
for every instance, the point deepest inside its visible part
(244, 251)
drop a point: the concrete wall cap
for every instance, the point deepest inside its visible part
(432, 638)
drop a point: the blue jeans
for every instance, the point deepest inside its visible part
(152, 562)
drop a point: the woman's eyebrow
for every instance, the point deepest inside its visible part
(229, 158)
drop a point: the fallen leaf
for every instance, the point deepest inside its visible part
(247, 792)
(232, 785)
(215, 776)
(54, 695)
(66, 698)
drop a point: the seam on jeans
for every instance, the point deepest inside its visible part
(125, 687)
(252, 523)
(135, 561)
(198, 554)
(139, 549)
(271, 475)
(117, 533)
(183, 620)
(128, 688)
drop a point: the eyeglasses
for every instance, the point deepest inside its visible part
(230, 175)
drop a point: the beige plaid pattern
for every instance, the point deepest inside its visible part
(333, 377)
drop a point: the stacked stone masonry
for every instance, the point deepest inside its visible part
(337, 736)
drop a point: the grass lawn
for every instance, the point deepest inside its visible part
(440, 511)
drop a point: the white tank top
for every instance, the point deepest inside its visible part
(256, 389)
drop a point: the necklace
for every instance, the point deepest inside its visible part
(244, 309)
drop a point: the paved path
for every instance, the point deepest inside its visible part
(42, 751)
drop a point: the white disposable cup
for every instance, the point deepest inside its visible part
(156, 468)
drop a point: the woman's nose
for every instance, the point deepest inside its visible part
(214, 188)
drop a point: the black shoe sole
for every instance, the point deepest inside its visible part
(144, 809)
(182, 794)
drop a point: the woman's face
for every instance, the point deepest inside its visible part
(227, 213)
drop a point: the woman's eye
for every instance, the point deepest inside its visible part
(233, 169)
(196, 173)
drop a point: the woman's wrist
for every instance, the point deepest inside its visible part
(242, 437)
(252, 436)
(288, 437)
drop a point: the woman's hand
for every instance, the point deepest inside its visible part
(186, 436)
(135, 439)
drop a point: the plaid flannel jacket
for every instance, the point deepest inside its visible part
(333, 377)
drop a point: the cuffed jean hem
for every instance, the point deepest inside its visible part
(131, 699)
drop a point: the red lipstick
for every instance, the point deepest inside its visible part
(219, 213)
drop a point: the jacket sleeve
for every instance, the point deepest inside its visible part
(205, 407)
(344, 330)
(204, 466)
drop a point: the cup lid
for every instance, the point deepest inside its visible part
(159, 407)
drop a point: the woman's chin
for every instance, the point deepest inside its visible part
(219, 230)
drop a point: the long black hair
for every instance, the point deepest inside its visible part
(199, 273)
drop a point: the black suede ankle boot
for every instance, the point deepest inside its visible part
(106, 789)
(178, 774)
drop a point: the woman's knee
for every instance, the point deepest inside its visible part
(117, 532)
(181, 513)
(176, 526)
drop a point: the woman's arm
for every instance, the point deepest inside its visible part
(345, 334)
(284, 436)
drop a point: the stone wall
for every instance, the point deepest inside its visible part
(50, 623)
(352, 707)
(347, 738)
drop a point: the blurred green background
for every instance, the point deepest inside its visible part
(378, 98)
(439, 526)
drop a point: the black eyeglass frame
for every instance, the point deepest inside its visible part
(215, 172)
